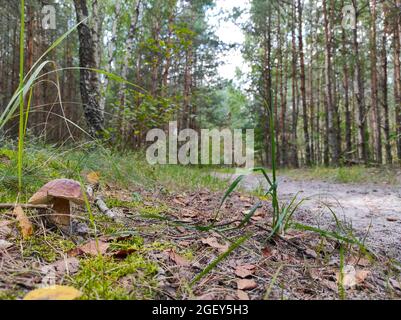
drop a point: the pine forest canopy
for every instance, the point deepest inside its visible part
(334, 89)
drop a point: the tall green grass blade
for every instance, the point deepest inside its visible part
(327, 234)
(54, 45)
(341, 289)
(28, 109)
(220, 258)
(14, 102)
(250, 214)
(231, 189)
(272, 283)
(264, 174)
(21, 96)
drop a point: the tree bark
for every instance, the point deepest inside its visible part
(331, 130)
(89, 80)
(294, 157)
(308, 160)
(376, 114)
(359, 92)
(397, 79)
(384, 85)
(348, 129)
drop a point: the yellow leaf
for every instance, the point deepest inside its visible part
(24, 223)
(54, 293)
(93, 177)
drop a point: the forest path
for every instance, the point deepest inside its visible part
(376, 208)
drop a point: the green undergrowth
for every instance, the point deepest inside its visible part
(43, 163)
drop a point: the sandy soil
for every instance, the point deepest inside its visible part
(372, 210)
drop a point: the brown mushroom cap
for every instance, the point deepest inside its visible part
(60, 188)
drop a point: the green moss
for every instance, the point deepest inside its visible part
(9, 294)
(112, 203)
(105, 225)
(138, 206)
(49, 249)
(100, 278)
(130, 243)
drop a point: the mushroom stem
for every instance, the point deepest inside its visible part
(61, 214)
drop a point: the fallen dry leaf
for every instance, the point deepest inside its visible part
(92, 248)
(363, 262)
(257, 216)
(54, 293)
(245, 284)
(268, 252)
(206, 296)
(123, 253)
(181, 229)
(245, 270)
(361, 276)
(24, 223)
(212, 241)
(179, 260)
(93, 177)
(293, 234)
(311, 253)
(330, 284)
(5, 159)
(5, 230)
(5, 244)
(352, 277)
(176, 201)
(395, 284)
(242, 295)
(69, 266)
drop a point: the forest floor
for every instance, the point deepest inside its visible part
(373, 210)
(160, 246)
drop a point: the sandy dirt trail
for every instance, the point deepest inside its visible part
(376, 208)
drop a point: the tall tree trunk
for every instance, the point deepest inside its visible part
(111, 48)
(283, 93)
(384, 90)
(89, 80)
(268, 92)
(397, 78)
(125, 67)
(332, 138)
(308, 160)
(348, 124)
(294, 158)
(359, 92)
(376, 114)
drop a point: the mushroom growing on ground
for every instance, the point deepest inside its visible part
(59, 193)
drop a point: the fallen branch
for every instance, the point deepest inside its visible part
(104, 209)
(24, 206)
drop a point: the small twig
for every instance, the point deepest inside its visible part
(24, 206)
(104, 209)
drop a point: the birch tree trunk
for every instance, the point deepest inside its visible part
(89, 80)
